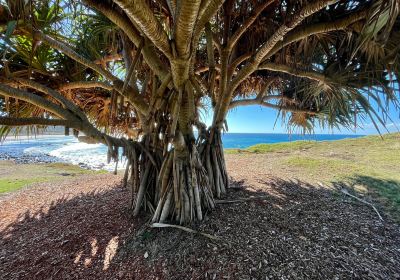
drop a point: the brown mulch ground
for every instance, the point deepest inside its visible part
(81, 229)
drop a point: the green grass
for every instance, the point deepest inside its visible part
(370, 165)
(13, 184)
(277, 147)
(74, 170)
(16, 176)
(387, 190)
(391, 142)
(314, 163)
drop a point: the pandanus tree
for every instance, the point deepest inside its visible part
(135, 74)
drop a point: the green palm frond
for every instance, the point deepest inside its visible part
(377, 28)
(98, 37)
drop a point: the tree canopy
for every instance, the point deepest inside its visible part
(135, 74)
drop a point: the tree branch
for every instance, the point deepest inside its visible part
(236, 63)
(184, 26)
(70, 120)
(265, 87)
(201, 23)
(209, 9)
(35, 100)
(247, 23)
(85, 85)
(248, 102)
(125, 24)
(131, 66)
(9, 121)
(278, 36)
(211, 62)
(38, 35)
(312, 75)
(108, 58)
(324, 27)
(255, 101)
(135, 99)
(56, 95)
(141, 14)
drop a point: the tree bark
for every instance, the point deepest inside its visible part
(175, 186)
(182, 180)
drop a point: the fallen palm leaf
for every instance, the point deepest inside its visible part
(363, 201)
(240, 199)
(161, 225)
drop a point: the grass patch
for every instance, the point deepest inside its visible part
(322, 169)
(73, 169)
(276, 147)
(386, 191)
(370, 144)
(16, 176)
(370, 165)
(311, 163)
(13, 184)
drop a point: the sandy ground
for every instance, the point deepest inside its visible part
(80, 228)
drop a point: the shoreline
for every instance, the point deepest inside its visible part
(45, 159)
(19, 156)
(30, 159)
(12, 138)
(57, 221)
(307, 137)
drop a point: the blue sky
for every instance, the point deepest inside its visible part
(257, 119)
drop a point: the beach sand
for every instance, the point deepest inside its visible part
(298, 228)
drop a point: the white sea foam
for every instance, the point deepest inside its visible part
(66, 149)
(35, 150)
(93, 156)
(74, 148)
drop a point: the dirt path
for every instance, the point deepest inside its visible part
(81, 229)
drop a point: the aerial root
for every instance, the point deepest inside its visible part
(176, 186)
(213, 158)
(184, 190)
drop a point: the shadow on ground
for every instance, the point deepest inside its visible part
(293, 231)
(384, 191)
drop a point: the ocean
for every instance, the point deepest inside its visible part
(94, 156)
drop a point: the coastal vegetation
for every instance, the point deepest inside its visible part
(16, 176)
(286, 215)
(368, 165)
(373, 173)
(134, 76)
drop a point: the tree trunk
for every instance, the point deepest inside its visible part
(176, 182)
(181, 185)
(213, 159)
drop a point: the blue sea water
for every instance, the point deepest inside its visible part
(68, 149)
(244, 140)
